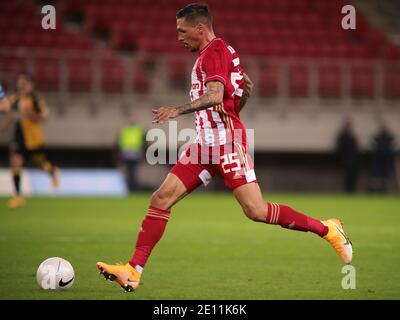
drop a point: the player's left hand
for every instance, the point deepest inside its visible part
(163, 114)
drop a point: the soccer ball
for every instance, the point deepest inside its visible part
(55, 274)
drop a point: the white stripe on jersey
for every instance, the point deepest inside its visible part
(197, 124)
(220, 126)
(194, 92)
(209, 134)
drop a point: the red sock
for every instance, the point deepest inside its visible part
(288, 218)
(153, 226)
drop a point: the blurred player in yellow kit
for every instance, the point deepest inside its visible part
(27, 112)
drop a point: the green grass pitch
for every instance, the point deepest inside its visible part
(209, 251)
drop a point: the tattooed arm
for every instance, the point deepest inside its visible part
(247, 90)
(214, 96)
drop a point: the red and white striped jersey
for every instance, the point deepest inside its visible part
(217, 125)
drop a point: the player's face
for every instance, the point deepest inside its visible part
(187, 34)
(24, 85)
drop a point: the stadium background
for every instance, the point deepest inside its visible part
(108, 59)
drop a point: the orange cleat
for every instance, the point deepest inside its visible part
(338, 240)
(16, 202)
(126, 275)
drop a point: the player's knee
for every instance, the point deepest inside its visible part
(161, 198)
(254, 212)
(39, 160)
(16, 162)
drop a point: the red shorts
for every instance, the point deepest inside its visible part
(199, 164)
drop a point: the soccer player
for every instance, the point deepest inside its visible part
(27, 111)
(220, 89)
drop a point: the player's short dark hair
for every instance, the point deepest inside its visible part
(27, 76)
(196, 12)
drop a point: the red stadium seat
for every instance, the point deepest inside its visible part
(112, 75)
(362, 82)
(46, 72)
(71, 7)
(392, 83)
(268, 82)
(330, 79)
(298, 81)
(177, 73)
(308, 49)
(141, 82)
(48, 40)
(11, 64)
(391, 52)
(80, 74)
(10, 39)
(98, 18)
(124, 37)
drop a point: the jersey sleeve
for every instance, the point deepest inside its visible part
(2, 94)
(215, 64)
